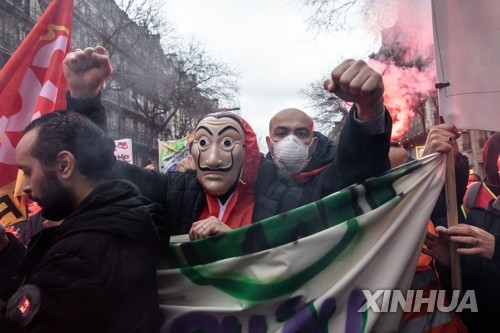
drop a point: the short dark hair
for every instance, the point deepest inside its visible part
(70, 131)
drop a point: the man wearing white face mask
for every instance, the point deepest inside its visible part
(353, 81)
(309, 160)
(291, 142)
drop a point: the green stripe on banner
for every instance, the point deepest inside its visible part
(254, 279)
(314, 313)
(365, 321)
(257, 291)
(302, 222)
(383, 189)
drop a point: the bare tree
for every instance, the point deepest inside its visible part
(164, 83)
(188, 92)
(328, 14)
(132, 24)
(214, 79)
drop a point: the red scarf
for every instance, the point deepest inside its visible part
(238, 212)
(305, 176)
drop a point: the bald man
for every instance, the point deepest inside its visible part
(398, 155)
(291, 142)
(362, 151)
(308, 159)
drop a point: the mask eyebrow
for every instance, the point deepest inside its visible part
(205, 128)
(227, 128)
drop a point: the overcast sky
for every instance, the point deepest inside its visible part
(268, 43)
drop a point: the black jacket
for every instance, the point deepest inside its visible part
(96, 272)
(180, 194)
(358, 156)
(480, 275)
(483, 275)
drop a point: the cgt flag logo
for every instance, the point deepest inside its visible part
(31, 84)
(412, 301)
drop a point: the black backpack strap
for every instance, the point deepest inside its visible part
(472, 196)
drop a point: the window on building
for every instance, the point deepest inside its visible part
(129, 125)
(113, 121)
(141, 129)
(483, 137)
(3, 30)
(466, 141)
(21, 34)
(102, 24)
(26, 5)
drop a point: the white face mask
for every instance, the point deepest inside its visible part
(291, 155)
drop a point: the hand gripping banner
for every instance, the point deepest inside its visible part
(305, 270)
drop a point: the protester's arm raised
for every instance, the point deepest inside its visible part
(364, 142)
(86, 71)
(355, 81)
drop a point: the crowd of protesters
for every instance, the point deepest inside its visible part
(109, 221)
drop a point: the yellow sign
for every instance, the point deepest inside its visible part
(12, 208)
(419, 150)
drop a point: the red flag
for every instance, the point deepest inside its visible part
(31, 84)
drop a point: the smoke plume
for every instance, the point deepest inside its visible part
(406, 60)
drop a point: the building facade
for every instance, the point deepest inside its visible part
(137, 97)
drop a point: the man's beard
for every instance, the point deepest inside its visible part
(57, 201)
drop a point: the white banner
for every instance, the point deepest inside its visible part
(467, 49)
(306, 270)
(123, 150)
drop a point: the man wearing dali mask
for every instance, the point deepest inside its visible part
(232, 185)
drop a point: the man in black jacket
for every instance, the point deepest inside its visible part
(362, 153)
(307, 159)
(96, 271)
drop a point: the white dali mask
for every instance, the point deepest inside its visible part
(291, 155)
